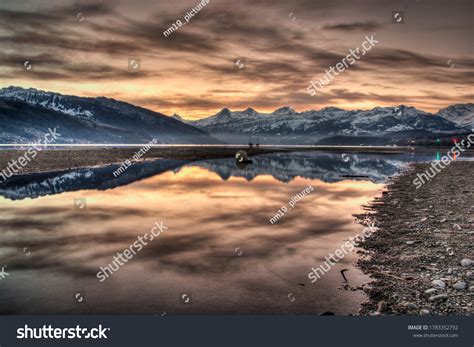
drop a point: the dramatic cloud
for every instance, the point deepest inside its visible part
(85, 47)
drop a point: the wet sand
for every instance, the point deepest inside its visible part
(421, 256)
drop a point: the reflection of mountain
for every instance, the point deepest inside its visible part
(328, 167)
(51, 183)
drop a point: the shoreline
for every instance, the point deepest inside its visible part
(418, 258)
(50, 160)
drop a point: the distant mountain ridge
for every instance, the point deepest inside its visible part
(384, 124)
(462, 114)
(26, 114)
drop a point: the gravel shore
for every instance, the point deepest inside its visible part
(421, 258)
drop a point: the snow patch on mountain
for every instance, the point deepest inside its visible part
(52, 101)
(26, 112)
(286, 110)
(462, 114)
(329, 121)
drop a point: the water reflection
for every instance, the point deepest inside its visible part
(328, 167)
(220, 247)
(101, 178)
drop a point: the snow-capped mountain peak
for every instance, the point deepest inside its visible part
(26, 113)
(285, 110)
(52, 101)
(224, 113)
(250, 112)
(285, 124)
(226, 116)
(462, 114)
(331, 109)
(403, 110)
(178, 117)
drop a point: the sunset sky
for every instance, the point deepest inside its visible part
(84, 48)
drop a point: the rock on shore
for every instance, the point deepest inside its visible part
(421, 258)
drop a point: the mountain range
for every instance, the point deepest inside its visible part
(331, 125)
(461, 114)
(26, 115)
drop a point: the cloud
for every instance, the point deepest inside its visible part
(355, 26)
(194, 68)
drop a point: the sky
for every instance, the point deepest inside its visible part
(238, 54)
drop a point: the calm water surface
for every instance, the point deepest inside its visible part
(220, 248)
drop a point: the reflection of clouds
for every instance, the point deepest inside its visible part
(197, 250)
(196, 242)
(64, 215)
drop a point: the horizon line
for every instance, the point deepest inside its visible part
(190, 145)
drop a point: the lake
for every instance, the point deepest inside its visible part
(220, 253)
